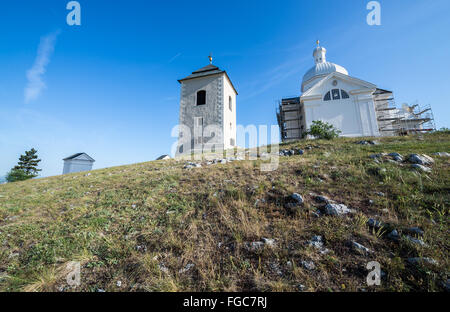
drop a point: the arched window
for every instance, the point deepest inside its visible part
(345, 95)
(201, 97)
(336, 94)
(230, 103)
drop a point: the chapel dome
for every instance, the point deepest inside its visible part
(322, 67)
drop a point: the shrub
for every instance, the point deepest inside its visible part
(322, 130)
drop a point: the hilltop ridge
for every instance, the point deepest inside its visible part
(311, 225)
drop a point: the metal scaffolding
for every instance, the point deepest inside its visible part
(409, 119)
(290, 119)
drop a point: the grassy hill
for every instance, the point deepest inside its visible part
(224, 227)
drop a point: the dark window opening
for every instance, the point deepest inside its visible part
(336, 94)
(345, 95)
(327, 96)
(201, 97)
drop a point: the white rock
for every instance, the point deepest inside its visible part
(317, 243)
(336, 209)
(442, 154)
(186, 268)
(360, 248)
(269, 241)
(421, 168)
(298, 198)
(415, 240)
(420, 159)
(309, 265)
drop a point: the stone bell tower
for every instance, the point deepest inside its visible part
(207, 111)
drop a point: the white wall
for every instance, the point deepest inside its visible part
(354, 116)
(74, 165)
(229, 116)
(211, 112)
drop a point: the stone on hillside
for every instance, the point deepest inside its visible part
(360, 248)
(323, 199)
(398, 158)
(442, 154)
(364, 142)
(418, 260)
(317, 243)
(394, 155)
(190, 165)
(394, 235)
(275, 267)
(415, 241)
(336, 209)
(186, 268)
(255, 245)
(294, 202)
(297, 198)
(374, 223)
(420, 159)
(421, 168)
(300, 151)
(415, 231)
(301, 287)
(309, 265)
(269, 241)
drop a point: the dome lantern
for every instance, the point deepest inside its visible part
(319, 54)
(321, 69)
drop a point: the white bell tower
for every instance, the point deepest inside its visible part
(207, 111)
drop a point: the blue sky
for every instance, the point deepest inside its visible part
(110, 85)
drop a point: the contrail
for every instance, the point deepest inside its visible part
(35, 74)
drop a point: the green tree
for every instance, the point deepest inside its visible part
(27, 167)
(17, 175)
(322, 130)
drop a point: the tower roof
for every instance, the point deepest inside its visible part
(203, 72)
(208, 70)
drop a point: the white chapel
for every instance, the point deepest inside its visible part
(355, 107)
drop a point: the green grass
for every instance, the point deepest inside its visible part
(129, 223)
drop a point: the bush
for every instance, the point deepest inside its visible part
(444, 130)
(18, 175)
(322, 130)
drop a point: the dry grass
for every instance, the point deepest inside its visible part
(139, 227)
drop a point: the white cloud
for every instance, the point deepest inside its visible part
(35, 74)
